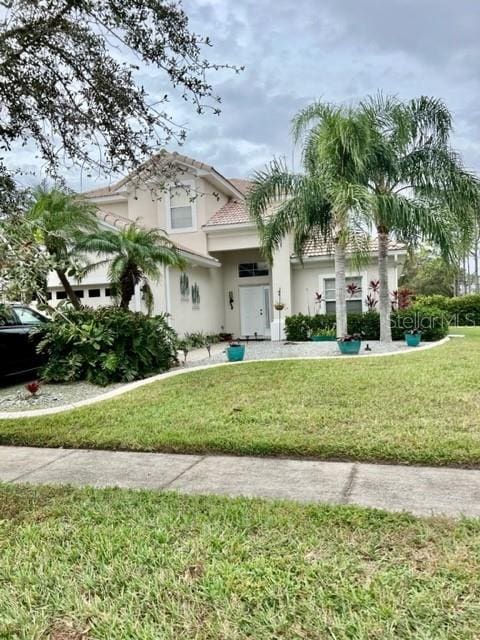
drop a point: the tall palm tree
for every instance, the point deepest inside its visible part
(402, 165)
(135, 256)
(59, 219)
(327, 199)
(418, 186)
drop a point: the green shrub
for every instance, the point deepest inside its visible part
(105, 345)
(300, 328)
(196, 339)
(433, 323)
(462, 310)
(436, 301)
(367, 324)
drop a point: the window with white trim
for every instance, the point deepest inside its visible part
(353, 292)
(181, 209)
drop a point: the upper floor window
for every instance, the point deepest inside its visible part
(181, 209)
(252, 269)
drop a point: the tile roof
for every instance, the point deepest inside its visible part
(242, 184)
(232, 212)
(112, 189)
(316, 247)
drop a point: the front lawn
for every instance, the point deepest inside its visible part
(418, 408)
(115, 565)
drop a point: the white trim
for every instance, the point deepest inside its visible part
(193, 204)
(209, 228)
(108, 199)
(194, 259)
(331, 276)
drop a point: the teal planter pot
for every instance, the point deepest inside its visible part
(236, 353)
(350, 348)
(323, 338)
(413, 339)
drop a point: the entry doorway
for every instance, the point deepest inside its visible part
(255, 310)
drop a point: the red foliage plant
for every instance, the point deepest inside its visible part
(401, 298)
(353, 288)
(33, 387)
(371, 302)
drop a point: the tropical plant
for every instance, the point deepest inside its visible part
(60, 220)
(350, 337)
(134, 257)
(394, 159)
(326, 201)
(105, 345)
(418, 186)
(400, 298)
(353, 289)
(371, 301)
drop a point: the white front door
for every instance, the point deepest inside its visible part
(255, 310)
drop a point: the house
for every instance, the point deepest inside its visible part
(228, 286)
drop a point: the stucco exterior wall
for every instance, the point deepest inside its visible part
(310, 278)
(118, 208)
(208, 316)
(233, 239)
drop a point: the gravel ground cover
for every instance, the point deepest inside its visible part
(17, 398)
(277, 350)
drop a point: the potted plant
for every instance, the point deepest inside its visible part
(350, 344)
(327, 334)
(413, 337)
(235, 351)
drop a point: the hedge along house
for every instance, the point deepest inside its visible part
(227, 286)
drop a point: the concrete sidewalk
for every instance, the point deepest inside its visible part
(418, 490)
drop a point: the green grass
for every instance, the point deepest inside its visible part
(125, 565)
(418, 408)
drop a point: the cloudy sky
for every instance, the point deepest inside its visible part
(295, 51)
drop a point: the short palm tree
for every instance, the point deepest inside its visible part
(135, 256)
(59, 219)
(326, 200)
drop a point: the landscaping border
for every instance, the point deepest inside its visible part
(130, 386)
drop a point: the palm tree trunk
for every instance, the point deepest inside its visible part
(72, 296)
(127, 289)
(475, 257)
(340, 291)
(384, 294)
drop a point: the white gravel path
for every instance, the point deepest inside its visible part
(277, 350)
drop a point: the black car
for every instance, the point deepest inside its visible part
(18, 355)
